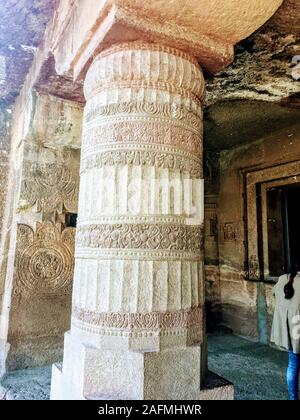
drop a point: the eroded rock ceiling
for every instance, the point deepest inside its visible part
(22, 25)
(264, 63)
(259, 93)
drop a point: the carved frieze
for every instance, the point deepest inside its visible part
(45, 258)
(141, 236)
(147, 47)
(132, 66)
(149, 109)
(159, 159)
(150, 321)
(141, 132)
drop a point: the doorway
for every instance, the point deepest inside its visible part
(283, 205)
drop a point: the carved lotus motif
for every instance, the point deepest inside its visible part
(50, 186)
(45, 259)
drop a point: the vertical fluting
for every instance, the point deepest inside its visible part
(139, 255)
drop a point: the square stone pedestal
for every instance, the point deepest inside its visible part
(214, 388)
(91, 373)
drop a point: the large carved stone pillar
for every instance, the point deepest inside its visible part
(137, 320)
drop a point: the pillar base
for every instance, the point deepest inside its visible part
(214, 388)
(90, 373)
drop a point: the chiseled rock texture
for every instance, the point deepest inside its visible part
(263, 65)
(251, 120)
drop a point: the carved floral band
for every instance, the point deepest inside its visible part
(141, 321)
(141, 236)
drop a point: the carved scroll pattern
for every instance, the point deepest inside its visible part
(141, 236)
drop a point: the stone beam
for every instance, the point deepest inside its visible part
(206, 29)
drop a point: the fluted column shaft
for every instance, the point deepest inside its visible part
(139, 264)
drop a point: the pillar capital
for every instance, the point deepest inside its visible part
(141, 65)
(206, 29)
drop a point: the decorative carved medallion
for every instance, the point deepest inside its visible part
(45, 260)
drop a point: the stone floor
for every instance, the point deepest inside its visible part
(257, 371)
(31, 384)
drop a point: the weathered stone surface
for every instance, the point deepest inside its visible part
(190, 28)
(27, 21)
(287, 18)
(232, 123)
(22, 26)
(265, 63)
(4, 160)
(17, 46)
(37, 251)
(29, 384)
(262, 70)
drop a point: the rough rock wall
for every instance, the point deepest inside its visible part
(5, 122)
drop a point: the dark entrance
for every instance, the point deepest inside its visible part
(283, 228)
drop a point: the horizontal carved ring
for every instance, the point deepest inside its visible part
(173, 111)
(140, 132)
(141, 236)
(101, 218)
(137, 254)
(143, 46)
(141, 321)
(140, 84)
(163, 160)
